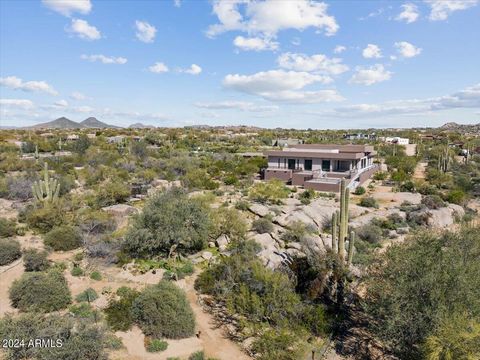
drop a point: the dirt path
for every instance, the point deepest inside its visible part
(419, 172)
(213, 339)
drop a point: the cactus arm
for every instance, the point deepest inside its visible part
(350, 248)
(341, 238)
(334, 232)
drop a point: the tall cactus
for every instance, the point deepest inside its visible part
(334, 232)
(46, 190)
(341, 218)
(36, 153)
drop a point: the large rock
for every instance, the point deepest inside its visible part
(120, 210)
(286, 220)
(444, 217)
(222, 242)
(265, 241)
(259, 209)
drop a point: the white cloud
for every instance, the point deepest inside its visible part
(280, 85)
(17, 103)
(372, 51)
(317, 63)
(409, 14)
(61, 103)
(83, 109)
(177, 3)
(238, 105)
(158, 68)
(104, 59)
(16, 83)
(441, 9)
(369, 76)
(67, 7)
(254, 43)
(193, 70)
(466, 98)
(271, 16)
(145, 31)
(84, 30)
(78, 96)
(339, 49)
(407, 50)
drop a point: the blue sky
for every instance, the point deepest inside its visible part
(300, 63)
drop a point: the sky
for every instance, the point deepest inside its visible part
(268, 63)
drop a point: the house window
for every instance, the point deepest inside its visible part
(279, 163)
(343, 166)
(291, 164)
(325, 165)
(308, 165)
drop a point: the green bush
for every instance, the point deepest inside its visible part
(119, 312)
(63, 238)
(272, 191)
(359, 190)
(283, 344)
(112, 192)
(380, 175)
(370, 233)
(369, 202)
(9, 251)
(35, 260)
(80, 341)
(307, 196)
(156, 345)
(456, 197)
(7, 228)
(84, 311)
(95, 275)
(169, 220)
(163, 310)
(45, 218)
(77, 271)
(433, 202)
(87, 295)
(40, 291)
(262, 225)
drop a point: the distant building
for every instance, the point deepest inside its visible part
(91, 136)
(286, 142)
(72, 137)
(115, 139)
(321, 167)
(397, 140)
(360, 136)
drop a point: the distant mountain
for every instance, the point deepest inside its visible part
(60, 123)
(92, 122)
(64, 123)
(141, 126)
(453, 126)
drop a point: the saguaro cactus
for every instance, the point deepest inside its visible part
(46, 190)
(340, 218)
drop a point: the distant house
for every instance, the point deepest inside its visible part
(360, 136)
(115, 139)
(47, 135)
(91, 135)
(286, 142)
(72, 137)
(397, 140)
(321, 167)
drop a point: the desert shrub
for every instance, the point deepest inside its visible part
(82, 341)
(63, 238)
(18, 188)
(7, 228)
(427, 189)
(272, 191)
(35, 260)
(359, 190)
(297, 231)
(228, 221)
(84, 311)
(370, 233)
(241, 205)
(45, 218)
(119, 311)
(87, 295)
(380, 175)
(369, 202)
(95, 222)
(40, 291)
(414, 285)
(433, 201)
(284, 344)
(262, 225)
(156, 345)
(112, 192)
(407, 186)
(9, 251)
(77, 271)
(456, 197)
(95, 275)
(163, 310)
(170, 220)
(307, 196)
